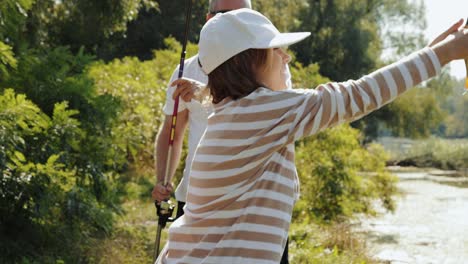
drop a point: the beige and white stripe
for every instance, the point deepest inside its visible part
(243, 182)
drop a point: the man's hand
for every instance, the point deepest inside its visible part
(187, 89)
(161, 192)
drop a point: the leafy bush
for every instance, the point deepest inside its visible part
(56, 166)
(141, 87)
(44, 195)
(7, 59)
(333, 187)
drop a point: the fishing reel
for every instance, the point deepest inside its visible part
(164, 210)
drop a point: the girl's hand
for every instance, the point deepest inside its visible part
(451, 46)
(451, 30)
(187, 89)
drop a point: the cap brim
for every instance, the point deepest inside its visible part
(286, 39)
(279, 40)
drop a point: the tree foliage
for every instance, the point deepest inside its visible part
(277, 11)
(7, 60)
(344, 39)
(416, 114)
(333, 187)
(92, 24)
(13, 17)
(347, 36)
(49, 202)
(141, 88)
(152, 27)
(434, 108)
(401, 26)
(449, 92)
(96, 26)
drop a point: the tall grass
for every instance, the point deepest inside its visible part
(331, 244)
(447, 154)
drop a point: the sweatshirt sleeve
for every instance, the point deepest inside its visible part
(334, 103)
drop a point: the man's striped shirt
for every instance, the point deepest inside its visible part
(243, 183)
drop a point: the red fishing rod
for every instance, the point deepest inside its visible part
(466, 66)
(164, 209)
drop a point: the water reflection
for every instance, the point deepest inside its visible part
(430, 224)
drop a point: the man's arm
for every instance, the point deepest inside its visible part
(161, 153)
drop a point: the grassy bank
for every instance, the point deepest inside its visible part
(446, 154)
(132, 240)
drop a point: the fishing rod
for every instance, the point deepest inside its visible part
(466, 66)
(164, 209)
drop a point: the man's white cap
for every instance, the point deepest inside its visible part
(228, 34)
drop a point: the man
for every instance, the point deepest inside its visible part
(191, 112)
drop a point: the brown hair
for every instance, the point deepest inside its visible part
(237, 77)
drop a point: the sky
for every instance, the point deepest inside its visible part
(441, 14)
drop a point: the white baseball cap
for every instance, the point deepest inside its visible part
(230, 33)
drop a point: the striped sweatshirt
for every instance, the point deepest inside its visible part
(243, 183)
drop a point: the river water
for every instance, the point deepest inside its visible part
(429, 225)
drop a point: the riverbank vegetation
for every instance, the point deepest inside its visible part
(79, 110)
(440, 153)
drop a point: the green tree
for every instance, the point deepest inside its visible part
(346, 35)
(402, 24)
(344, 39)
(90, 24)
(7, 60)
(457, 122)
(448, 91)
(13, 17)
(53, 198)
(58, 164)
(141, 87)
(277, 11)
(98, 26)
(436, 108)
(415, 114)
(148, 31)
